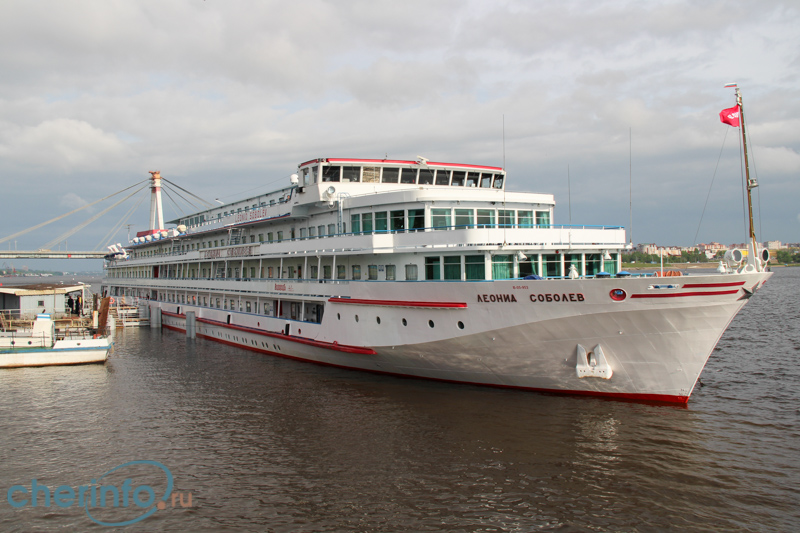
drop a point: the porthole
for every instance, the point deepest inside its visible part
(405, 322)
(338, 316)
(460, 325)
(356, 318)
(430, 323)
(378, 319)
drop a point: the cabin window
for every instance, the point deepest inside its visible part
(452, 267)
(217, 303)
(485, 218)
(355, 223)
(391, 273)
(312, 232)
(321, 230)
(252, 239)
(331, 229)
(314, 272)
(291, 272)
(398, 220)
(390, 175)
(411, 272)
(502, 266)
(426, 176)
(543, 219)
(270, 272)
(552, 265)
(472, 179)
(442, 177)
(474, 267)
(356, 271)
(486, 180)
(372, 271)
(572, 260)
(260, 237)
(314, 174)
(252, 272)
(326, 271)
(303, 233)
(330, 173)
(371, 175)
(416, 219)
(269, 236)
(381, 221)
(40, 303)
(525, 219)
(247, 307)
(505, 218)
(458, 178)
(440, 218)
(280, 236)
(266, 308)
(366, 222)
(341, 272)
(432, 267)
(409, 175)
(465, 218)
(306, 180)
(351, 174)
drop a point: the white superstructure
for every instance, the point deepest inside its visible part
(429, 269)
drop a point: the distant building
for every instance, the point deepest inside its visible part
(774, 245)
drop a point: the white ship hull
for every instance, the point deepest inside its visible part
(63, 352)
(524, 334)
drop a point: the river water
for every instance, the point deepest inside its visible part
(268, 444)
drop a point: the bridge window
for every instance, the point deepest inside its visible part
(331, 173)
(390, 175)
(409, 175)
(351, 174)
(371, 175)
(486, 180)
(472, 179)
(458, 178)
(426, 176)
(498, 181)
(442, 177)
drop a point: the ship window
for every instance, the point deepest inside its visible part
(505, 217)
(321, 230)
(593, 264)
(356, 269)
(543, 219)
(486, 180)
(341, 272)
(409, 175)
(372, 272)
(378, 319)
(460, 325)
(366, 222)
(458, 178)
(217, 303)
(280, 236)
(432, 268)
(485, 218)
(303, 232)
(381, 221)
(270, 272)
(405, 322)
(442, 177)
(330, 173)
(525, 219)
(498, 181)
(371, 175)
(465, 218)
(398, 220)
(474, 267)
(260, 238)
(352, 174)
(416, 219)
(390, 175)
(391, 274)
(269, 236)
(452, 267)
(314, 272)
(502, 266)
(248, 307)
(411, 272)
(472, 179)
(326, 271)
(356, 318)
(440, 218)
(355, 223)
(430, 323)
(331, 229)
(312, 232)
(426, 176)
(552, 265)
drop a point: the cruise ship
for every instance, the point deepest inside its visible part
(431, 270)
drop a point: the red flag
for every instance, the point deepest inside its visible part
(730, 116)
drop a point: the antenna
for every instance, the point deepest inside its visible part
(630, 185)
(504, 141)
(569, 196)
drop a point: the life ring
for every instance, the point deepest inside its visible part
(111, 301)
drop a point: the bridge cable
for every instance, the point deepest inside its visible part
(110, 235)
(208, 204)
(4, 239)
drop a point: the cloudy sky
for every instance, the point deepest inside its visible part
(227, 97)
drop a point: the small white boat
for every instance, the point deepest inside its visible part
(40, 346)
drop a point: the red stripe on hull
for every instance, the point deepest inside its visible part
(681, 294)
(300, 340)
(399, 303)
(711, 285)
